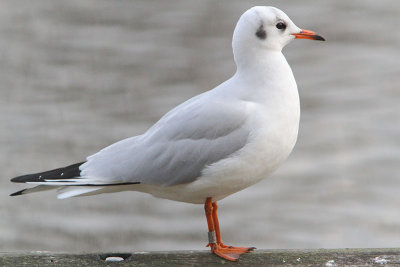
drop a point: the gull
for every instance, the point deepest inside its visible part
(214, 144)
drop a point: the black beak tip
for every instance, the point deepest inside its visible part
(319, 38)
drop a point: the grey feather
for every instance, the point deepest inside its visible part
(177, 148)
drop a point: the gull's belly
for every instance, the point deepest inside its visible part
(268, 147)
(274, 134)
(258, 159)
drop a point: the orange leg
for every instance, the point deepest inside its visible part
(216, 222)
(214, 235)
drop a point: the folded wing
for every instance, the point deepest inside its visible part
(177, 148)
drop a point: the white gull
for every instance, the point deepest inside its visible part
(214, 144)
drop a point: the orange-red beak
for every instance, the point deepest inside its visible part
(306, 34)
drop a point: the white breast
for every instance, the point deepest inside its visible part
(275, 128)
(274, 120)
(268, 94)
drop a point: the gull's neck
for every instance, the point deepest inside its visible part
(264, 77)
(264, 65)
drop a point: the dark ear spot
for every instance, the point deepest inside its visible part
(261, 33)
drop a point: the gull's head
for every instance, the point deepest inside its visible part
(266, 28)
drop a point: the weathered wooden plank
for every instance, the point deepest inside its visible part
(320, 257)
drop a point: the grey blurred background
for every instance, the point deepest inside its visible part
(76, 76)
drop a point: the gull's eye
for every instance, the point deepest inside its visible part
(281, 26)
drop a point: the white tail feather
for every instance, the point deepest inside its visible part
(69, 191)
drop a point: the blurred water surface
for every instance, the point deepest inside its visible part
(76, 76)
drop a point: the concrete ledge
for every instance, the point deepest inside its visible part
(319, 257)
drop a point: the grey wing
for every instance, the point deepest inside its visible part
(177, 148)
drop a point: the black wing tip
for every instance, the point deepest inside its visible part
(19, 179)
(18, 193)
(70, 171)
